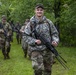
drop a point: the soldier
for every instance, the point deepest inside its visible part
(41, 57)
(24, 44)
(5, 33)
(18, 34)
(12, 26)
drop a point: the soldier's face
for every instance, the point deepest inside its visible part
(3, 21)
(39, 12)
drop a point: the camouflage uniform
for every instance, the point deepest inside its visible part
(41, 57)
(5, 33)
(18, 34)
(24, 43)
(12, 26)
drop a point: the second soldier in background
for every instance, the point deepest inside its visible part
(5, 34)
(24, 44)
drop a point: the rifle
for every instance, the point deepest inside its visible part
(50, 47)
(17, 29)
(5, 32)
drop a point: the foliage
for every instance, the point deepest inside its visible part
(19, 10)
(68, 23)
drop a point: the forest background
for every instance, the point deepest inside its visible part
(63, 15)
(61, 12)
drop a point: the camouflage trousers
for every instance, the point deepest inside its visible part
(24, 45)
(42, 62)
(5, 46)
(18, 38)
(2, 41)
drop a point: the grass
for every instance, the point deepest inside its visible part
(69, 55)
(18, 65)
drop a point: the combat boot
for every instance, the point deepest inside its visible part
(25, 54)
(47, 73)
(37, 72)
(8, 50)
(4, 53)
(7, 55)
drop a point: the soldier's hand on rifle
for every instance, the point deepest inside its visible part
(38, 42)
(8, 34)
(21, 31)
(1, 31)
(54, 43)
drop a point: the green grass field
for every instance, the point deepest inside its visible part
(18, 65)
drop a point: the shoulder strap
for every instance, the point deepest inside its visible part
(33, 25)
(49, 26)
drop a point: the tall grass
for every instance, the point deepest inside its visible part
(18, 65)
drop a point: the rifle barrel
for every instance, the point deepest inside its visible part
(62, 63)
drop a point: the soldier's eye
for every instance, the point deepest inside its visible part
(39, 9)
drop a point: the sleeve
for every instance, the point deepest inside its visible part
(54, 32)
(10, 28)
(22, 29)
(29, 39)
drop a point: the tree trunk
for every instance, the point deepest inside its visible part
(57, 9)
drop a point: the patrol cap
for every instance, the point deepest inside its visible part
(39, 5)
(4, 17)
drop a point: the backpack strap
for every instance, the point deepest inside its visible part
(33, 25)
(49, 26)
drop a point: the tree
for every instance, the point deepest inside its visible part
(68, 24)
